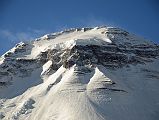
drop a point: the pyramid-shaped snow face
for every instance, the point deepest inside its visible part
(81, 74)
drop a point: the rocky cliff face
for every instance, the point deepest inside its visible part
(110, 55)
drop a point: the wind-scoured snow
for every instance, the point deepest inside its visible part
(100, 73)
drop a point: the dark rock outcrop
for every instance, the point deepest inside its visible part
(110, 55)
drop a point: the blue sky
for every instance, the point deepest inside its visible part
(22, 20)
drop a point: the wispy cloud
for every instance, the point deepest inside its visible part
(7, 34)
(21, 36)
(37, 31)
(93, 21)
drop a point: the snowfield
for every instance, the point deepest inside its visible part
(100, 73)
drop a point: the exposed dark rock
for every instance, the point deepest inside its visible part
(2, 115)
(111, 89)
(3, 83)
(8, 54)
(68, 64)
(110, 55)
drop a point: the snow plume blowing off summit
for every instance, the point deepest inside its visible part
(101, 73)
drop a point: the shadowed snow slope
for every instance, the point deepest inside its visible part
(100, 73)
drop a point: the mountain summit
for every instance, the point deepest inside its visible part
(101, 73)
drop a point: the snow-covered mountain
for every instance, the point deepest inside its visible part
(100, 73)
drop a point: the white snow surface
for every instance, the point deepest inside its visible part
(67, 94)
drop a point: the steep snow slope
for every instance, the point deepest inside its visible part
(100, 73)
